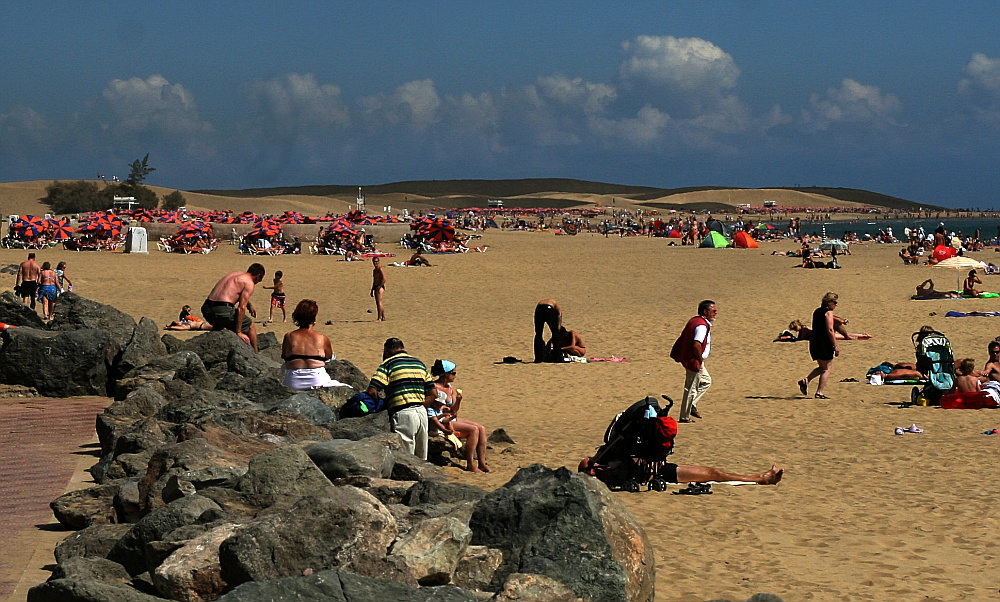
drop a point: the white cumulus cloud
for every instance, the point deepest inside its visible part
(24, 126)
(587, 96)
(153, 105)
(981, 72)
(646, 127)
(298, 102)
(689, 65)
(852, 102)
(414, 105)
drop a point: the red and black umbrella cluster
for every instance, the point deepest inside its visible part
(28, 227)
(433, 229)
(101, 225)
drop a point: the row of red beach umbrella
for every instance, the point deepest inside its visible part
(31, 226)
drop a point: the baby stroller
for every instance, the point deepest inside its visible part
(638, 441)
(936, 359)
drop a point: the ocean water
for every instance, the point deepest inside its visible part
(990, 227)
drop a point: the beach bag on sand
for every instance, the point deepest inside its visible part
(362, 404)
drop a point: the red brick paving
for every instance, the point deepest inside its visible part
(40, 445)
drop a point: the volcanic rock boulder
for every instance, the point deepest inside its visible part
(74, 312)
(343, 586)
(567, 527)
(432, 550)
(85, 507)
(327, 530)
(86, 590)
(143, 346)
(130, 551)
(95, 540)
(183, 365)
(303, 404)
(13, 312)
(341, 458)
(281, 475)
(192, 572)
(57, 364)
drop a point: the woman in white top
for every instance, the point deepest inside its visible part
(443, 415)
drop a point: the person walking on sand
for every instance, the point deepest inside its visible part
(823, 345)
(378, 288)
(277, 297)
(228, 306)
(547, 313)
(690, 350)
(26, 282)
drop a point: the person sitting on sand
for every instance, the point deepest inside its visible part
(806, 253)
(418, 259)
(992, 368)
(617, 472)
(909, 255)
(967, 381)
(442, 416)
(969, 286)
(840, 331)
(925, 290)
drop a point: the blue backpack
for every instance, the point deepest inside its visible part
(362, 404)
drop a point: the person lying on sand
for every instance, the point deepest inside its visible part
(925, 290)
(840, 331)
(616, 472)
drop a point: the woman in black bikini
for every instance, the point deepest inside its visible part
(823, 345)
(306, 351)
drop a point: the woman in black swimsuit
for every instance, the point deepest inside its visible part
(822, 345)
(305, 351)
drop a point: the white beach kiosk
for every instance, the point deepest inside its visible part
(136, 240)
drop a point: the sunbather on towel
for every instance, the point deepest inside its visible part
(925, 290)
(617, 472)
(969, 286)
(840, 331)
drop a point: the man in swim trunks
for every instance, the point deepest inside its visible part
(228, 305)
(26, 282)
(547, 312)
(277, 297)
(378, 288)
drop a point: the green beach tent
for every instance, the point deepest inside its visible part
(714, 240)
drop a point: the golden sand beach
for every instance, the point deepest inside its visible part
(862, 514)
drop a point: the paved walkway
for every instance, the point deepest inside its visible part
(44, 446)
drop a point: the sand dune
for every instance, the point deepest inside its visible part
(862, 514)
(23, 198)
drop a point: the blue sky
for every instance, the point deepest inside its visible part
(901, 98)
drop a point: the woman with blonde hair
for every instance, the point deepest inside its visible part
(823, 345)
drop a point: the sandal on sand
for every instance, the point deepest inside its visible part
(820, 396)
(696, 489)
(804, 386)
